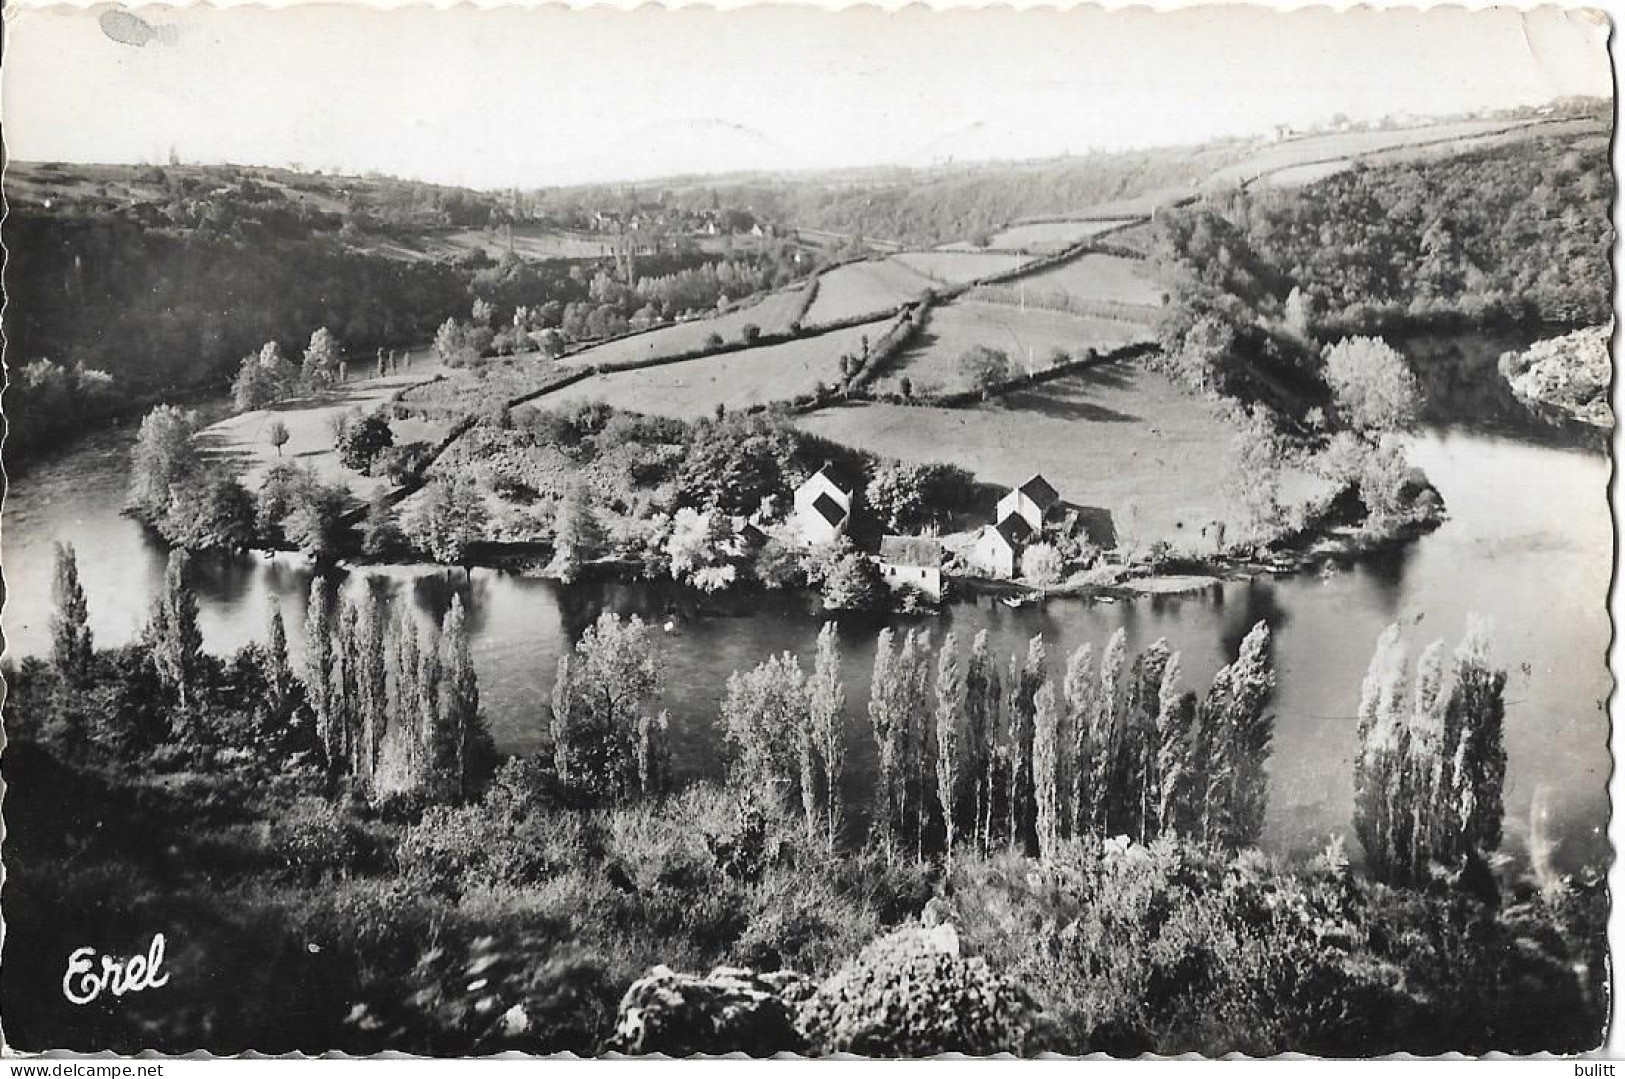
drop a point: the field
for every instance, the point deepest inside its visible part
(863, 288)
(773, 314)
(1044, 237)
(1120, 440)
(735, 379)
(1028, 337)
(1110, 278)
(955, 267)
(484, 386)
(242, 438)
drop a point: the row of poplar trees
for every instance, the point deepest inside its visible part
(371, 677)
(1432, 761)
(973, 752)
(374, 677)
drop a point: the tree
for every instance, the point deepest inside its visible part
(1475, 713)
(888, 718)
(450, 516)
(1241, 733)
(277, 435)
(1373, 387)
(750, 334)
(1081, 691)
(282, 697)
(853, 584)
(701, 550)
(460, 732)
(764, 717)
(315, 522)
(826, 717)
(215, 513)
(951, 709)
(320, 631)
(578, 537)
(321, 363)
(1025, 682)
(602, 691)
(263, 378)
(362, 438)
(172, 633)
(163, 457)
(380, 528)
(1041, 564)
(983, 367)
(1046, 770)
(72, 646)
(1382, 820)
(984, 717)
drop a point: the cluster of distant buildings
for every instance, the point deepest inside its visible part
(823, 509)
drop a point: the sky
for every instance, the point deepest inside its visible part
(545, 96)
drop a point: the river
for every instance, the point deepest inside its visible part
(1528, 544)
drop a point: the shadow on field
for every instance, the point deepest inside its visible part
(1067, 399)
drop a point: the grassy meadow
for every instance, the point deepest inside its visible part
(862, 288)
(1029, 337)
(735, 380)
(956, 267)
(772, 314)
(1118, 438)
(1044, 237)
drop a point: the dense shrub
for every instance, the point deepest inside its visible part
(911, 994)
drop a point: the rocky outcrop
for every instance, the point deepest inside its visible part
(730, 1010)
(1571, 375)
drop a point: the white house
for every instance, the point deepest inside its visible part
(823, 507)
(997, 550)
(1032, 501)
(912, 562)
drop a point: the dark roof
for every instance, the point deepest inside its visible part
(829, 509)
(1014, 528)
(911, 551)
(1038, 489)
(837, 475)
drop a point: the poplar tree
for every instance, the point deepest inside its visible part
(1139, 783)
(887, 715)
(764, 720)
(1106, 734)
(1082, 692)
(458, 731)
(1026, 678)
(1046, 770)
(982, 720)
(1176, 717)
(403, 694)
(72, 646)
(342, 695)
(826, 713)
(919, 771)
(372, 689)
(425, 725)
(1425, 770)
(1474, 718)
(319, 663)
(1241, 735)
(1382, 820)
(173, 635)
(950, 717)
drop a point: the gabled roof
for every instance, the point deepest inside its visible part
(829, 509)
(837, 476)
(925, 551)
(1014, 528)
(1038, 489)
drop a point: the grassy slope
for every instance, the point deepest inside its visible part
(242, 438)
(1108, 439)
(958, 266)
(773, 314)
(734, 379)
(1025, 336)
(862, 288)
(1099, 277)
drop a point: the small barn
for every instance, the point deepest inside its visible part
(823, 505)
(913, 563)
(997, 550)
(1033, 501)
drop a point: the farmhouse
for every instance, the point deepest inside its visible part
(823, 506)
(913, 563)
(1032, 501)
(997, 550)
